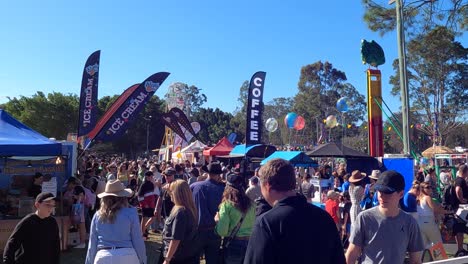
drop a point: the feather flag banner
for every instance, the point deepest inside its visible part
(254, 110)
(88, 95)
(126, 111)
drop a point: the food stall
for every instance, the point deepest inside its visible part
(23, 152)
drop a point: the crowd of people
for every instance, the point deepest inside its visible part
(215, 212)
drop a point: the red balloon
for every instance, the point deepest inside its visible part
(299, 123)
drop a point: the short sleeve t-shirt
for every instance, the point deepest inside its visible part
(460, 182)
(386, 239)
(180, 226)
(331, 207)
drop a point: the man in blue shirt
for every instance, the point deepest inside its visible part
(207, 196)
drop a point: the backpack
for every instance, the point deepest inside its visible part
(449, 198)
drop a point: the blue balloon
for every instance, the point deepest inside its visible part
(424, 161)
(289, 119)
(342, 105)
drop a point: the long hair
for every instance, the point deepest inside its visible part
(416, 185)
(237, 198)
(423, 187)
(182, 198)
(110, 206)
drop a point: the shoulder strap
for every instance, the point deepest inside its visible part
(234, 231)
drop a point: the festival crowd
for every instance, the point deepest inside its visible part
(220, 214)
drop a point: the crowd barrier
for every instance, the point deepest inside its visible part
(459, 260)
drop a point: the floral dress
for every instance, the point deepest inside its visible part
(356, 194)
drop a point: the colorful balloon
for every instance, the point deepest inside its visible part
(299, 124)
(424, 161)
(289, 119)
(271, 124)
(342, 105)
(331, 121)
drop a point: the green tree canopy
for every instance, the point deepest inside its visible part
(419, 15)
(215, 124)
(438, 80)
(320, 87)
(54, 115)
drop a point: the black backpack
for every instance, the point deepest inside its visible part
(450, 200)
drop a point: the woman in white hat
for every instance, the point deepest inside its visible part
(115, 234)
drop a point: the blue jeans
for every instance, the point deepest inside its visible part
(235, 253)
(209, 243)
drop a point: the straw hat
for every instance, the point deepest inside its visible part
(356, 176)
(375, 174)
(115, 188)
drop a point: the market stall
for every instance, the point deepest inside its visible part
(191, 152)
(296, 158)
(355, 160)
(23, 152)
(223, 147)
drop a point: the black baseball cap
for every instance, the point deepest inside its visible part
(170, 171)
(44, 197)
(389, 182)
(234, 180)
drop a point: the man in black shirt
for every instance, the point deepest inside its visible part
(461, 191)
(293, 231)
(36, 237)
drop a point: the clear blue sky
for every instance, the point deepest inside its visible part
(215, 45)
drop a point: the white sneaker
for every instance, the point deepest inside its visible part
(82, 245)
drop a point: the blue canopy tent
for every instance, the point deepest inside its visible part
(297, 158)
(16, 139)
(258, 151)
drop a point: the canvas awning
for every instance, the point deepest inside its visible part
(430, 152)
(195, 146)
(223, 147)
(16, 139)
(297, 158)
(258, 151)
(336, 150)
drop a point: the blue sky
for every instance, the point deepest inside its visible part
(215, 45)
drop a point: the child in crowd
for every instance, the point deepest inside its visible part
(332, 207)
(77, 216)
